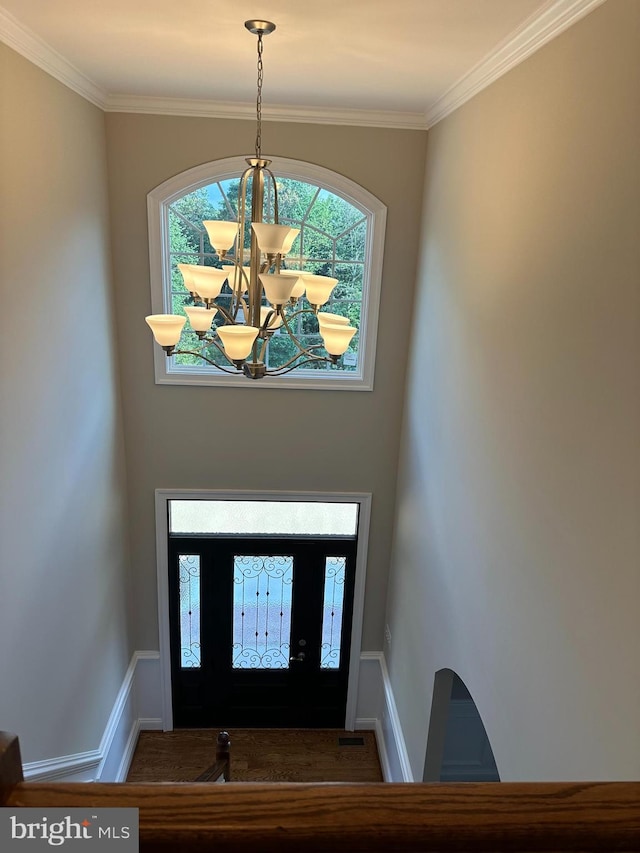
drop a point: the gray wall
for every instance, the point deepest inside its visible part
(179, 437)
(516, 557)
(63, 541)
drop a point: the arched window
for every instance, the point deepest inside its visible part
(341, 235)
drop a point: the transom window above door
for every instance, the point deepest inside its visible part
(341, 236)
(263, 518)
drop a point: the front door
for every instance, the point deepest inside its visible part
(260, 630)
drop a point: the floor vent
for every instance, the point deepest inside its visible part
(350, 741)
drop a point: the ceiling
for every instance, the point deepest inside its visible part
(400, 63)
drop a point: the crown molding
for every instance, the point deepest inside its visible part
(273, 112)
(36, 50)
(545, 24)
(548, 22)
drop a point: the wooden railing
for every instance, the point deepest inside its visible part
(289, 818)
(221, 767)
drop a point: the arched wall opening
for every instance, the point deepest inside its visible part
(458, 748)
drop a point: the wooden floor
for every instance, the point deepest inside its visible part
(258, 755)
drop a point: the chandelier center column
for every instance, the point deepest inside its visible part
(255, 287)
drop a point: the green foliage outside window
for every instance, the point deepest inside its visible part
(332, 241)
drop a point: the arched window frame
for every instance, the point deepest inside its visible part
(158, 202)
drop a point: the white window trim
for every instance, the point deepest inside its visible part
(163, 496)
(158, 201)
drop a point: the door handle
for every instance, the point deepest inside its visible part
(299, 657)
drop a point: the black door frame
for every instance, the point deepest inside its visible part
(302, 695)
(162, 498)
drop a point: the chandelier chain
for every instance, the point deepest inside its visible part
(259, 99)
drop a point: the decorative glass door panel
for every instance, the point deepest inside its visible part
(262, 594)
(260, 630)
(332, 612)
(189, 579)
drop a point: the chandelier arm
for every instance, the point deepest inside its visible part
(221, 350)
(263, 349)
(239, 255)
(280, 371)
(276, 214)
(242, 204)
(211, 341)
(245, 307)
(255, 285)
(310, 353)
(238, 299)
(242, 216)
(206, 358)
(265, 326)
(225, 313)
(301, 311)
(253, 282)
(303, 349)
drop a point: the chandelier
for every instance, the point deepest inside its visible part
(251, 295)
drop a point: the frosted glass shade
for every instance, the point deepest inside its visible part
(288, 243)
(200, 318)
(334, 319)
(222, 235)
(336, 337)
(319, 288)
(275, 322)
(207, 281)
(277, 288)
(166, 328)
(236, 280)
(298, 287)
(273, 239)
(187, 277)
(237, 340)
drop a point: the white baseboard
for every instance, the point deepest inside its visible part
(368, 724)
(136, 708)
(80, 767)
(151, 724)
(392, 731)
(377, 710)
(127, 755)
(137, 698)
